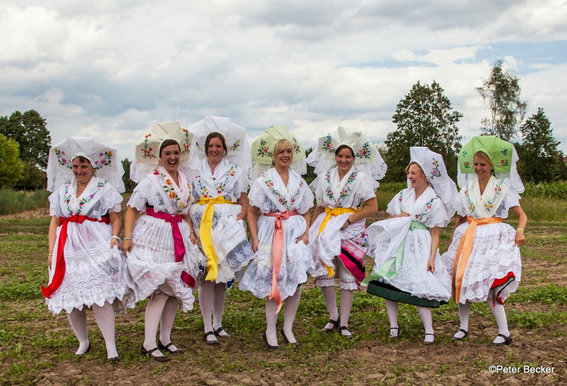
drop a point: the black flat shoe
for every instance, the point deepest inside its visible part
(211, 342)
(113, 360)
(218, 333)
(148, 353)
(507, 340)
(335, 324)
(465, 333)
(296, 343)
(345, 328)
(269, 346)
(167, 348)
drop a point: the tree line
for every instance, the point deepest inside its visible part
(424, 117)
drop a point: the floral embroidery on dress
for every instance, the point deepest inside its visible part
(421, 216)
(220, 187)
(68, 197)
(169, 188)
(345, 191)
(282, 200)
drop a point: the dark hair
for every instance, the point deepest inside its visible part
(215, 134)
(343, 146)
(168, 142)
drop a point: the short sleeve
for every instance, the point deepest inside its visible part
(139, 198)
(395, 204)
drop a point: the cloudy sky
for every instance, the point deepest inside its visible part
(109, 69)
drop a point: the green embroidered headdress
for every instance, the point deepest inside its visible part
(498, 150)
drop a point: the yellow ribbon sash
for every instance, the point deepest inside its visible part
(205, 233)
(328, 213)
(464, 251)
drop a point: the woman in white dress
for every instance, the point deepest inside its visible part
(160, 245)
(221, 205)
(338, 234)
(278, 219)
(484, 252)
(87, 269)
(407, 264)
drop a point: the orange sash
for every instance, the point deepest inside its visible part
(465, 249)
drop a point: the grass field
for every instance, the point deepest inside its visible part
(37, 347)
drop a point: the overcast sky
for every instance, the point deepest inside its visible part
(109, 69)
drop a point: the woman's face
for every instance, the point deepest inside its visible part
(344, 160)
(416, 177)
(284, 158)
(482, 167)
(215, 151)
(169, 158)
(82, 170)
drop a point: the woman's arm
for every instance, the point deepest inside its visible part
(52, 236)
(253, 214)
(116, 225)
(434, 246)
(370, 207)
(243, 202)
(522, 221)
(192, 235)
(318, 211)
(129, 220)
(460, 220)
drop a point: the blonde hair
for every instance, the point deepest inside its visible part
(482, 155)
(280, 146)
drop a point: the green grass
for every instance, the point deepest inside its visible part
(14, 202)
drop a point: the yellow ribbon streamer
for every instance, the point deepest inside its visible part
(205, 233)
(464, 251)
(328, 213)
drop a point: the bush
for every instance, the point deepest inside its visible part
(12, 201)
(548, 190)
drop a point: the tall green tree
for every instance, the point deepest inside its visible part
(539, 153)
(502, 93)
(424, 117)
(11, 166)
(29, 130)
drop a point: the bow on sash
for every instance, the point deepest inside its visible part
(464, 251)
(277, 248)
(178, 245)
(205, 233)
(59, 273)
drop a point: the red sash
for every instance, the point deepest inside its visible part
(60, 262)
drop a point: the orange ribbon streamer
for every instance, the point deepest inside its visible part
(277, 248)
(59, 273)
(465, 249)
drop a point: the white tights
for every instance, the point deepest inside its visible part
(211, 301)
(160, 312)
(291, 304)
(105, 320)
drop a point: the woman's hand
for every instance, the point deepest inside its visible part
(254, 244)
(126, 245)
(114, 243)
(431, 266)
(520, 238)
(403, 214)
(346, 224)
(194, 240)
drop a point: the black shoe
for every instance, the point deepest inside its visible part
(269, 346)
(86, 351)
(219, 330)
(211, 342)
(167, 348)
(345, 328)
(507, 340)
(335, 324)
(113, 360)
(296, 343)
(465, 332)
(149, 354)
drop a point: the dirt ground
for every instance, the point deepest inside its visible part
(536, 356)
